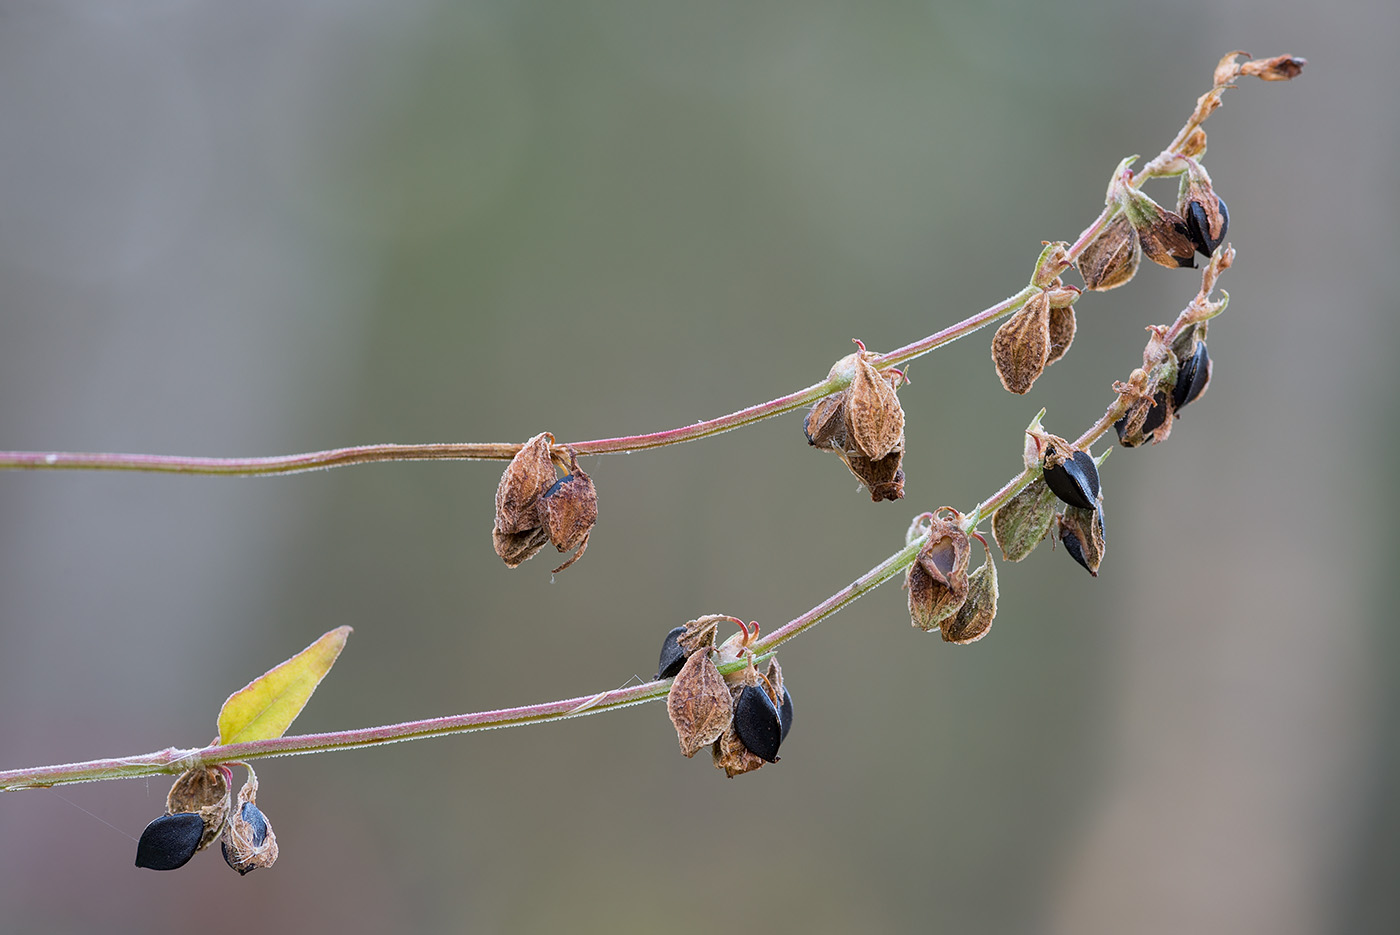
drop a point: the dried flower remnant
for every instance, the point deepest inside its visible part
(1081, 533)
(1163, 234)
(974, 618)
(864, 424)
(1021, 346)
(1278, 68)
(699, 703)
(534, 506)
(248, 842)
(1112, 258)
(1207, 218)
(569, 510)
(937, 581)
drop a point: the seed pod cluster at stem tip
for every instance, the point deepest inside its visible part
(743, 717)
(863, 424)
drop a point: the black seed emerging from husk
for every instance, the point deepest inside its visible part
(1076, 481)
(169, 842)
(1198, 226)
(757, 723)
(785, 715)
(1192, 377)
(672, 656)
(1156, 415)
(257, 825)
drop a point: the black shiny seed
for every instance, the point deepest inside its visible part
(228, 859)
(1156, 415)
(757, 723)
(1076, 481)
(785, 715)
(1192, 376)
(1075, 549)
(672, 656)
(1198, 226)
(169, 842)
(257, 823)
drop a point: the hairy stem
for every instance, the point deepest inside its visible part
(1162, 165)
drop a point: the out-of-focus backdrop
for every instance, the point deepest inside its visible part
(260, 228)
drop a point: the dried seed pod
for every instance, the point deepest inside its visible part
(1207, 218)
(883, 479)
(248, 843)
(874, 419)
(699, 703)
(569, 509)
(1112, 258)
(672, 655)
(516, 547)
(974, 618)
(700, 632)
(1081, 533)
(757, 722)
(730, 754)
(1053, 261)
(529, 474)
(1192, 377)
(1071, 474)
(1162, 233)
(206, 792)
(1061, 332)
(1149, 419)
(1023, 521)
(1021, 346)
(170, 841)
(937, 581)
(1278, 68)
(825, 424)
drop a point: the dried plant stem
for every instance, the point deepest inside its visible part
(504, 451)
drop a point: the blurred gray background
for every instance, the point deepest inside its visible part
(261, 228)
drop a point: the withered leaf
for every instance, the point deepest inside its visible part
(1021, 345)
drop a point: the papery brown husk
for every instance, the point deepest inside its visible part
(728, 750)
(1112, 258)
(699, 703)
(516, 547)
(569, 512)
(203, 791)
(1023, 521)
(974, 618)
(937, 581)
(1021, 345)
(529, 474)
(1086, 527)
(1061, 332)
(883, 479)
(874, 419)
(240, 851)
(1162, 233)
(825, 424)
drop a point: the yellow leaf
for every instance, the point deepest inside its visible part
(267, 706)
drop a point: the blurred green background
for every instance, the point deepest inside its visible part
(259, 228)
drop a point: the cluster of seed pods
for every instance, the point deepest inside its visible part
(199, 808)
(743, 717)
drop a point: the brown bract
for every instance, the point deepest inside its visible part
(1061, 332)
(937, 581)
(699, 703)
(1021, 346)
(1162, 233)
(205, 792)
(569, 510)
(1112, 258)
(974, 618)
(874, 419)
